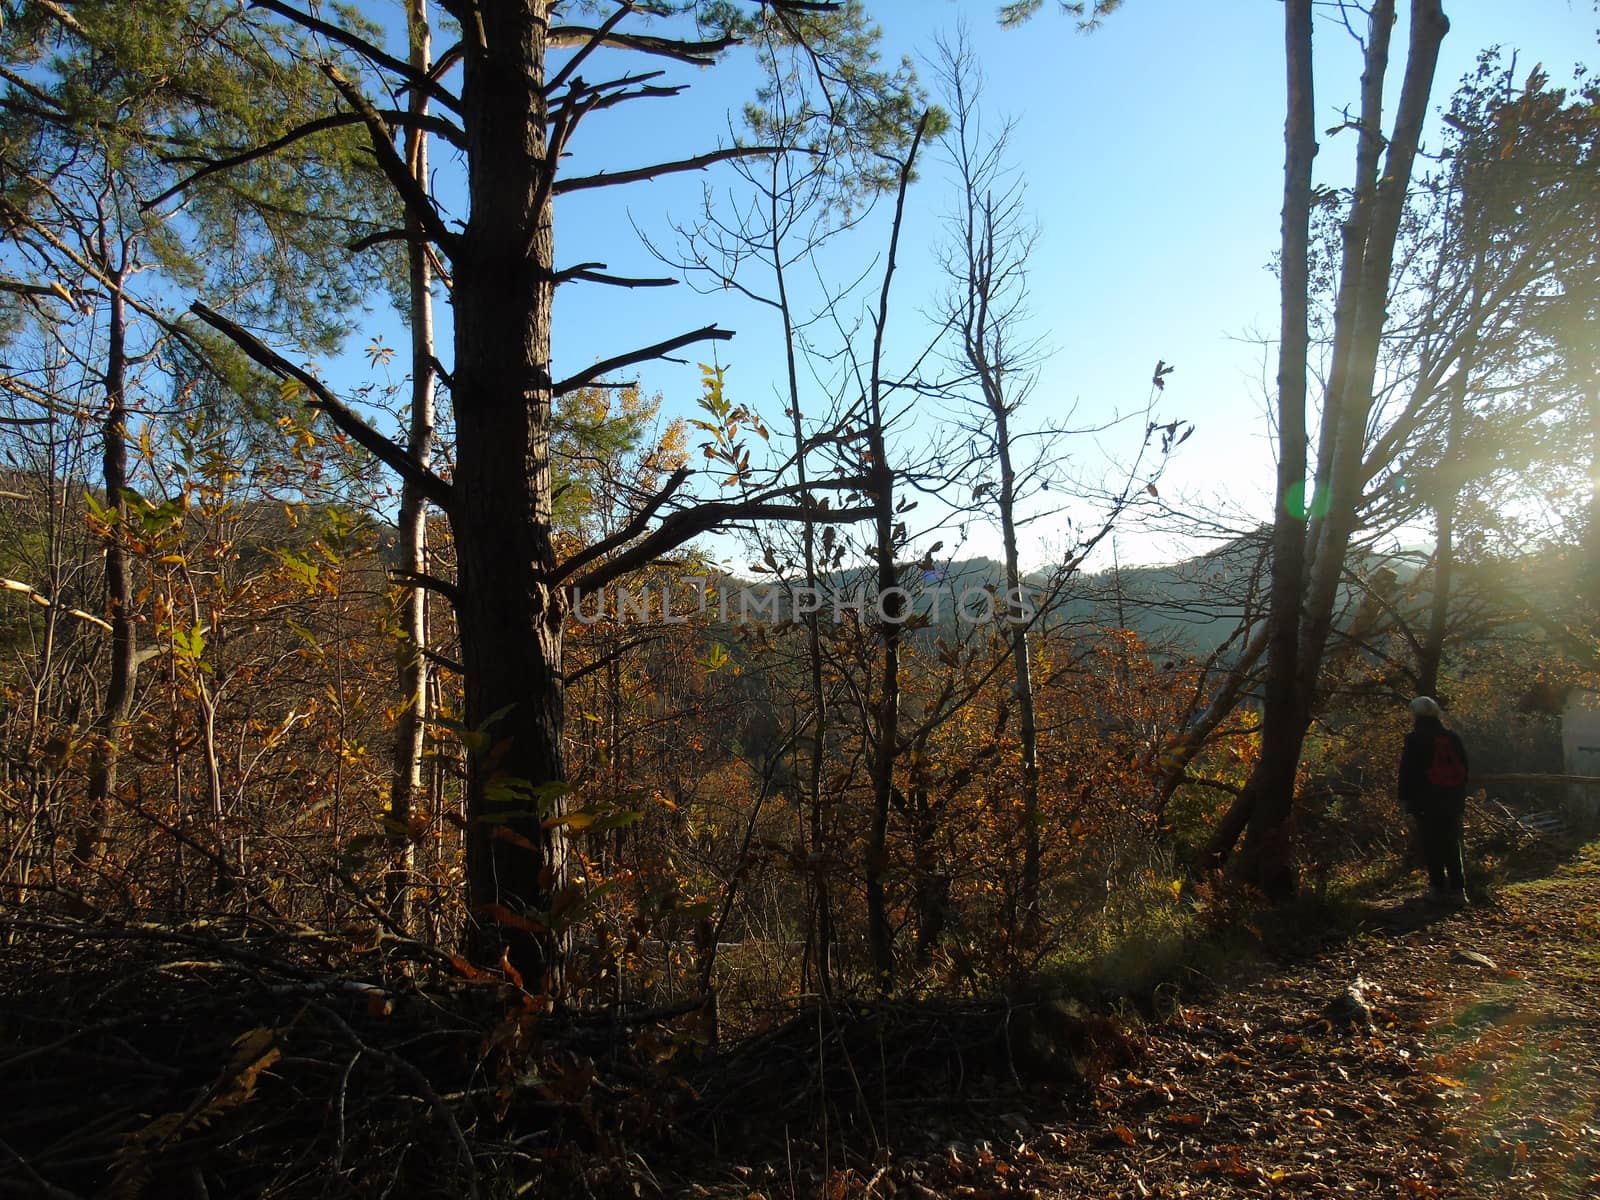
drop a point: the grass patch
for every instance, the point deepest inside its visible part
(1161, 942)
(1140, 941)
(1550, 865)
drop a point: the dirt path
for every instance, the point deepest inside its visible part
(1475, 1079)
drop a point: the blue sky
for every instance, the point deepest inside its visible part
(1152, 151)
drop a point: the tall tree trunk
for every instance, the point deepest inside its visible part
(1292, 678)
(509, 616)
(1590, 581)
(406, 779)
(1021, 663)
(891, 612)
(118, 697)
(1352, 374)
(1282, 725)
(1431, 655)
(820, 935)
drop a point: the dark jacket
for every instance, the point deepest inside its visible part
(1417, 794)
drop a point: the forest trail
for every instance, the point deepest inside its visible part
(1479, 1076)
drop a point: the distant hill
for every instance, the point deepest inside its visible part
(1191, 607)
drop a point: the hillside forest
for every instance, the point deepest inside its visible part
(425, 659)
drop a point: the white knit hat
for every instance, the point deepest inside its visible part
(1427, 706)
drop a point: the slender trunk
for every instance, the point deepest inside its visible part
(208, 700)
(1356, 236)
(208, 732)
(509, 616)
(1590, 582)
(1281, 712)
(891, 612)
(820, 935)
(1022, 668)
(1431, 655)
(1352, 400)
(932, 883)
(406, 780)
(118, 697)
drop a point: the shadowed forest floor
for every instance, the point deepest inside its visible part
(1473, 1079)
(1429, 1053)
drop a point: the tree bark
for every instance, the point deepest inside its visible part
(1022, 666)
(1282, 723)
(509, 616)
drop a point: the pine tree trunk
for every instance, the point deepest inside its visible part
(509, 617)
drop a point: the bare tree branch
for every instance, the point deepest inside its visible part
(698, 163)
(322, 399)
(584, 378)
(436, 125)
(690, 523)
(411, 190)
(594, 272)
(365, 49)
(699, 54)
(12, 585)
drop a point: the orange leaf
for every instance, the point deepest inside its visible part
(504, 833)
(502, 915)
(511, 972)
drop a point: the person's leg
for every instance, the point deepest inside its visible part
(1435, 832)
(1455, 871)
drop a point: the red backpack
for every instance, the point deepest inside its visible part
(1447, 770)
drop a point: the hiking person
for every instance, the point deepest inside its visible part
(1433, 789)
